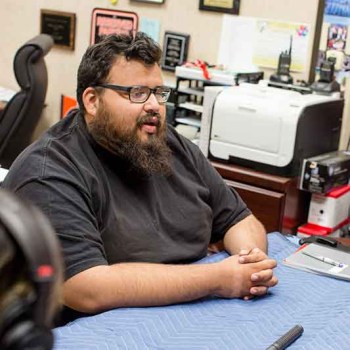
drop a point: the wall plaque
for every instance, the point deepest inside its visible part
(105, 22)
(175, 49)
(225, 6)
(60, 25)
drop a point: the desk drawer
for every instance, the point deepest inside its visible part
(266, 205)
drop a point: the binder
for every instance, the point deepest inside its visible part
(321, 259)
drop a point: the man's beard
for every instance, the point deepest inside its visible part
(148, 158)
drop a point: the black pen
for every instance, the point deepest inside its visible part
(287, 339)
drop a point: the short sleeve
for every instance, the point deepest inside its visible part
(71, 214)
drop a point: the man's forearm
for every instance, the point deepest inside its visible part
(247, 234)
(138, 284)
(143, 284)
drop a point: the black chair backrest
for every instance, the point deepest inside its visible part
(22, 113)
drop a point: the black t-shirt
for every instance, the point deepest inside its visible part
(104, 214)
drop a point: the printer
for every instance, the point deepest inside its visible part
(267, 128)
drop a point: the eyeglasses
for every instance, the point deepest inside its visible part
(140, 94)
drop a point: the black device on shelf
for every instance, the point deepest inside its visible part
(283, 69)
(326, 84)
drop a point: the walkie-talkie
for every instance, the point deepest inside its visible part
(327, 84)
(285, 60)
(327, 70)
(283, 69)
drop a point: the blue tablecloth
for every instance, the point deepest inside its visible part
(320, 304)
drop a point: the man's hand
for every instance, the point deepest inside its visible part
(244, 280)
(262, 279)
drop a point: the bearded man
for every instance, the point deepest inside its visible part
(133, 203)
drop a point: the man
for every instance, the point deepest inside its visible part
(133, 202)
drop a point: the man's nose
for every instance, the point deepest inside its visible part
(152, 103)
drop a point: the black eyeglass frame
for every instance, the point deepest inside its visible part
(129, 88)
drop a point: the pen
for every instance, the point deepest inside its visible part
(283, 342)
(324, 259)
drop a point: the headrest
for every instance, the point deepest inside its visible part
(42, 41)
(28, 54)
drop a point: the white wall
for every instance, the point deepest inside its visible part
(20, 21)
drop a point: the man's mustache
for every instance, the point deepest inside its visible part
(154, 119)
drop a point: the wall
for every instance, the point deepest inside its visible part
(20, 21)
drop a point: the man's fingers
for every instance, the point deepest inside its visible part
(264, 278)
(244, 252)
(258, 290)
(261, 276)
(254, 255)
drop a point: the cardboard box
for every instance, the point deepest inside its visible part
(321, 174)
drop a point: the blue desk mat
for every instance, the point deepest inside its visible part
(320, 304)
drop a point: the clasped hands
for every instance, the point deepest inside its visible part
(248, 274)
(263, 279)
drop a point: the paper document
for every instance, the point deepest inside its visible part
(322, 260)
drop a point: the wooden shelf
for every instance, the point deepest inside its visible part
(274, 200)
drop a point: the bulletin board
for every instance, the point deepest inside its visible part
(250, 42)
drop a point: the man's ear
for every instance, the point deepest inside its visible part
(91, 101)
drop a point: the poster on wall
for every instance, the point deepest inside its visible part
(151, 27)
(273, 37)
(337, 8)
(105, 22)
(337, 35)
(335, 38)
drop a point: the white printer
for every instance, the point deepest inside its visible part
(267, 128)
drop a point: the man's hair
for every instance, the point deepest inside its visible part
(99, 58)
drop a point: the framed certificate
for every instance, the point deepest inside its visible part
(175, 49)
(225, 6)
(151, 1)
(105, 22)
(60, 25)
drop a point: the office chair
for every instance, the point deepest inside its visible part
(30, 276)
(22, 113)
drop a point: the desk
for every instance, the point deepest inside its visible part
(320, 304)
(275, 200)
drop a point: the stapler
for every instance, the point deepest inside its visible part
(329, 241)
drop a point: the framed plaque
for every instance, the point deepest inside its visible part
(175, 49)
(225, 6)
(151, 1)
(60, 25)
(105, 22)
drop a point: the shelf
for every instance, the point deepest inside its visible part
(197, 74)
(191, 120)
(192, 107)
(192, 91)
(217, 76)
